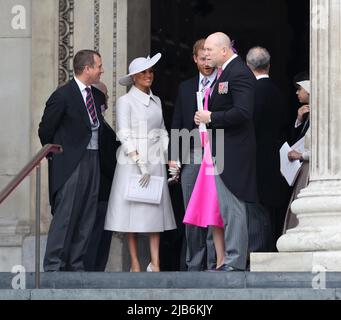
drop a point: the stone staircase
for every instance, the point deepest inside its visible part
(175, 286)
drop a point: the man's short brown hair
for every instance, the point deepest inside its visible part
(84, 58)
(198, 45)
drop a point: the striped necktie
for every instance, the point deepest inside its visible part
(204, 83)
(90, 105)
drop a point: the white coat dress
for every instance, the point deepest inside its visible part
(140, 126)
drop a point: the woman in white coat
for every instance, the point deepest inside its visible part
(140, 128)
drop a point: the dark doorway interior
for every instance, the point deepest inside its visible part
(281, 26)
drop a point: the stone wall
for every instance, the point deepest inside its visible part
(15, 144)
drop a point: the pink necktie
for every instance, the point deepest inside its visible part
(220, 71)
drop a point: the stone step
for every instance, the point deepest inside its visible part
(175, 280)
(182, 295)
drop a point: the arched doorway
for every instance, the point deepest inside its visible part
(281, 26)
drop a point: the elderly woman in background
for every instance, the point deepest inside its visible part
(302, 127)
(140, 128)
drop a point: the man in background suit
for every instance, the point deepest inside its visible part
(97, 254)
(73, 119)
(231, 110)
(266, 218)
(200, 250)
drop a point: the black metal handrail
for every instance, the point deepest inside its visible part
(34, 163)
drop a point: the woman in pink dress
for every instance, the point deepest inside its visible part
(203, 207)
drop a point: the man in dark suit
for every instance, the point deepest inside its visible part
(231, 110)
(97, 254)
(73, 119)
(266, 218)
(199, 250)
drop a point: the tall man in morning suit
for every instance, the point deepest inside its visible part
(200, 249)
(73, 119)
(267, 216)
(231, 109)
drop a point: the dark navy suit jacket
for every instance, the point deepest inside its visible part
(233, 112)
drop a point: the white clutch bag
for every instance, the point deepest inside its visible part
(151, 194)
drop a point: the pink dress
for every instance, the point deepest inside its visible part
(203, 206)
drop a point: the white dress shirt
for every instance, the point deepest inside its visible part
(262, 76)
(228, 61)
(210, 79)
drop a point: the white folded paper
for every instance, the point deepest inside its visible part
(151, 194)
(289, 169)
(200, 97)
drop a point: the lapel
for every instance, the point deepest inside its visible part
(223, 77)
(194, 87)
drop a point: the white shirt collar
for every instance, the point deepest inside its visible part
(80, 84)
(262, 76)
(142, 96)
(229, 60)
(210, 77)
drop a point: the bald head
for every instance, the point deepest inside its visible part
(221, 39)
(218, 49)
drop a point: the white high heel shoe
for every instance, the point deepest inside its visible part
(149, 267)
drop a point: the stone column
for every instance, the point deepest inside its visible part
(118, 53)
(318, 206)
(132, 39)
(44, 80)
(316, 241)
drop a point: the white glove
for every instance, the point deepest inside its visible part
(144, 181)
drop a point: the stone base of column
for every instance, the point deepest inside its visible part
(11, 239)
(329, 261)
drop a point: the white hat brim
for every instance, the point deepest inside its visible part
(305, 85)
(128, 80)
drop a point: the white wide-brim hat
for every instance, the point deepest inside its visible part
(305, 85)
(138, 65)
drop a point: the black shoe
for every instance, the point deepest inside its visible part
(227, 268)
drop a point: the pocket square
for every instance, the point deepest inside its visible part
(223, 87)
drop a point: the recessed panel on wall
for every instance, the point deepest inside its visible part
(15, 18)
